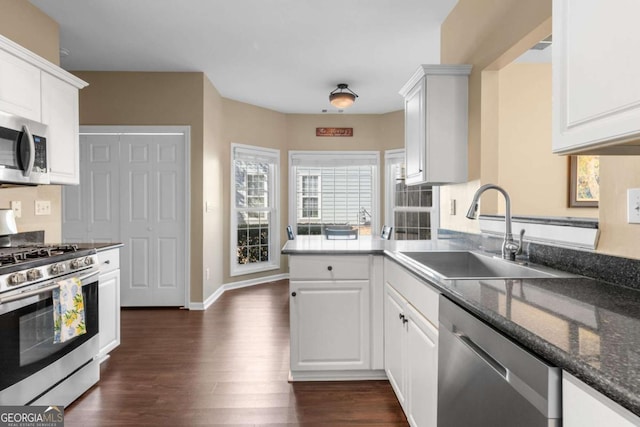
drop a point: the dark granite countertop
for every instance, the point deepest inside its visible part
(587, 327)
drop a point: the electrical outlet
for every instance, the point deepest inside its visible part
(16, 207)
(633, 206)
(43, 207)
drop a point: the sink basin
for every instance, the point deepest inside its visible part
(457, 265)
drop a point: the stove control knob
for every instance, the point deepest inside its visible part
(58, 268)
(34, 274)
(16, 279)
(88, 261)
(76, 263)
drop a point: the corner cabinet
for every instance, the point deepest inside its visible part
(596, 90)
(335, 317)
(34, 88)
(109, 302)
(435, 120)
(411, 344)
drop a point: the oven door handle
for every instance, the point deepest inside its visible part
(41, 290)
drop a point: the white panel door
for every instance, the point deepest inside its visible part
(153, 218)
(91, 210)
(133, 190)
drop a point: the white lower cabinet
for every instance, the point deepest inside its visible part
(582, 406)
(109, 301)
(336, 317)
(329, 325)
(411, 346)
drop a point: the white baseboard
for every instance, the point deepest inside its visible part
(354, 375)
(234, 285)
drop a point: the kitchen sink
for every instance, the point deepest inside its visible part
(457, 265)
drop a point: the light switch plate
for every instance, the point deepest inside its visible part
(633, 205)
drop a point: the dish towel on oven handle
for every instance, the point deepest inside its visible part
(68, 310)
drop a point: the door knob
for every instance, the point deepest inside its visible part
(329, 268)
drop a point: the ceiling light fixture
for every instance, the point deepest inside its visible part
(342, 96)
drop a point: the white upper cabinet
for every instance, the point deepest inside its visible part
(60, 113)
(19, 87)
(435, 119)
(596, 88)
(34, 88)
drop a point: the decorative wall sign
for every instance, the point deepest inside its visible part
(334, 131)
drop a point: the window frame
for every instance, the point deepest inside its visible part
(302, 196)
(271, 156)
(331, 159)
(395, 157)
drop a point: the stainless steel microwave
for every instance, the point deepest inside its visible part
(23, 151)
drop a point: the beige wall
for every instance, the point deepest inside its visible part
(490, 34)
(536, 179)
(213, 164)
(251, 125)
(136, 98)
(247, 124)
(26, 25)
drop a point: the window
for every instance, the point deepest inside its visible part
(411, 210)
(254, 220)
(309, 200)
(333, 190)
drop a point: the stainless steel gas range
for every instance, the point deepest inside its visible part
(33, 368)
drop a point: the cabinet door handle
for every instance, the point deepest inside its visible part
(293, 294)
(401, 317)
(405, 320)
(107, 262)
(329, 268)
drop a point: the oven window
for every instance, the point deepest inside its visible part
(36, 335)
(26, 334)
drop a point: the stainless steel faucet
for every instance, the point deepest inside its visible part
(509, 248)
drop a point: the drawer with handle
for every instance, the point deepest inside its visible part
(325, 267)
(109, 260)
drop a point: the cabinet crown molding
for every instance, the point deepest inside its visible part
(36, 60)
(435, 69)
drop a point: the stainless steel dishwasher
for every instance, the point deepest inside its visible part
(485, 379)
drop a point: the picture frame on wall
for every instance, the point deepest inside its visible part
(584, 181)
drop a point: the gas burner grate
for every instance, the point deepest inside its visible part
(26, 253)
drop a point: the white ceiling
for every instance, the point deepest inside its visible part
(285, 55)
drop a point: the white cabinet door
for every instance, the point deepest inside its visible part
(436, 117)
(394, 342)
(414, 128)
(60, 113)
(422, 370)
(330, 325)
(583, 406)
(19, 87)
(596, 90)
(109, 311)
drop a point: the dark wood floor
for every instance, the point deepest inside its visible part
(225, 366)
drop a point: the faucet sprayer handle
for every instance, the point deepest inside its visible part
(519, 251)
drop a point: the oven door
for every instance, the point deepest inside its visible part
(30, 362)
